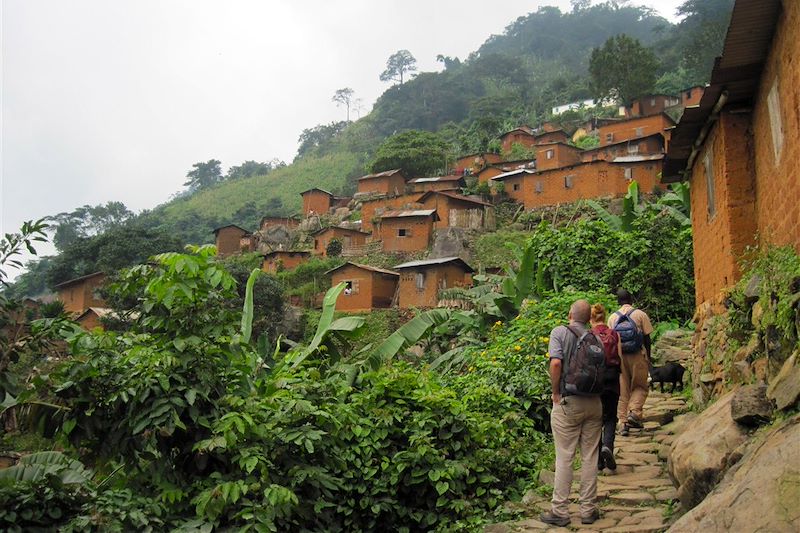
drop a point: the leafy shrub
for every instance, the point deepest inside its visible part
(514, 358)
(653, 262)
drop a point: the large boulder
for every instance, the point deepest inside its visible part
(784, 388)
(760, 493)
(750, 406)
(700, 455)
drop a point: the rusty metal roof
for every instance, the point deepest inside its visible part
(409, 213)
(363, 267)
(424, 263)
(455, 196)
(78, 280)
(383, 174)
(737, 73)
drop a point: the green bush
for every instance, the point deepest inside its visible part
(514, 359)
(653, 262)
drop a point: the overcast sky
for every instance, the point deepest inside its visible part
(115, 100)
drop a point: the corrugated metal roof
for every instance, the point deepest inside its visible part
(383, 174)
(505, 175)
(455, 196)
(737, 73)
(637, 158)
(454, 177)
(433, 262)
(275, 252)
(321, 230)
(78, 280)
(409, 213)
(316, 189)
(363, 267)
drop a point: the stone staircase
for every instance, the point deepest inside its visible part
(639, 496)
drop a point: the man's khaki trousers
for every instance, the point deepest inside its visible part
(576, 420)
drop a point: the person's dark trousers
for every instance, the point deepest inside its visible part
(609, 399)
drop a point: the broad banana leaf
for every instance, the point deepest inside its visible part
(407, 335)
(247, 309)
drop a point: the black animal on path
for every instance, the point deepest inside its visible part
(669, 373)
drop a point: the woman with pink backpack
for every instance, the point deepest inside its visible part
(610, 395)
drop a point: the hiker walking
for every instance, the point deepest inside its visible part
(634, 328)
(576, 377)
(610, 395)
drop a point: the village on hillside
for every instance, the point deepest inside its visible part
(407, 215)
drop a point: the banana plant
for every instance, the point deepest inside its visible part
(631, 208)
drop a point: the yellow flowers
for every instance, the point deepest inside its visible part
(544, 339)
(471, 369)
(550, 314)
(518, 348)
(483, 353)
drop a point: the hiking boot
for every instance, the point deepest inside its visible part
(592, 518)
(625, 431)
(601, 464)
(607, 457)
(555, 520)
(634, 422)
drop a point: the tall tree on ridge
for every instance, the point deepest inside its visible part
(204, 175)
(344, 97)
(397, 65)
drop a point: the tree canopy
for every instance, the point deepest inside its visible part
(418, 153)
(398, 64)
(622, 68)
(86, 221)
(345, 97)
(204, 175)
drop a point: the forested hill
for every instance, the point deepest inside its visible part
(541, 60)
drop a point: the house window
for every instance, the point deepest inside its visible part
(568, 181)
(348, 288)
(775, 123)
(539, 186)
(549, 154)
(403, 232)
(633, 148)
(639, 132)
(515, 187)
(316, 244)
(420, 281)
(629, 173)
(652, 101)
(609, 137)
(708, 163)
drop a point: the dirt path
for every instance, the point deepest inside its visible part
(639, 496)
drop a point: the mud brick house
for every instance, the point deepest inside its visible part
(421, 281)
(551, 136)
(406, 231)
(513, 183)
(92, 317)
(232, 239)
(473, 163)
(390, 183)
(486, 175)
(635, 128)
(651, 104)
(691, 95)
(740, 147)
(347, 236)
(81, 293)
(585, 180)
(648, 145)
(556, 154)
(270, 222)
(522, 135)
(438, 183)
(366, 287)
(319, 201)
(458, 211)
(372, 209)
(280, 260)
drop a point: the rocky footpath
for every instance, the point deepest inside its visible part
(639, 496)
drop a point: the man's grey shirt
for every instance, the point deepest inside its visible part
(563, 341)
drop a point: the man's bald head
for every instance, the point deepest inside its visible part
(580, 311)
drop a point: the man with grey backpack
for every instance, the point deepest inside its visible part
(634, 329)
(577, 368)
